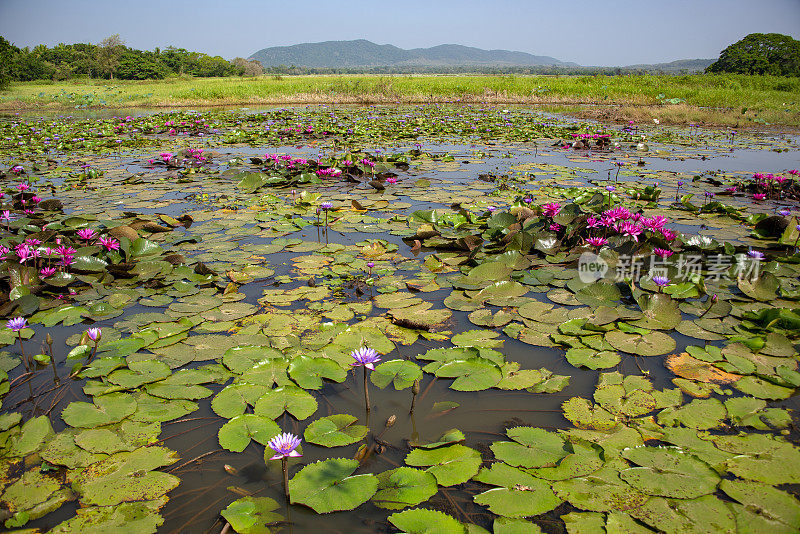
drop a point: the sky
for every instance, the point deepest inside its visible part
(602, 33)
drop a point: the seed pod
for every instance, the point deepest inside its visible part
(391, 421)
(415, 387)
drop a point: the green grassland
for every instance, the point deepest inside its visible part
(732, 100)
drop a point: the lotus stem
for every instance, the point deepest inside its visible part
(22, 350)
(712, 301)
(94, 351)
(49, 341)
(366, 389)
(285, 467)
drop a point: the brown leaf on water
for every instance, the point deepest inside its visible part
(357, 205)
(691, 368)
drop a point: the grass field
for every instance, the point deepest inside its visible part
(733, 100)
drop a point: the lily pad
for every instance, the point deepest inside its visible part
(335, 431)
(329, 486)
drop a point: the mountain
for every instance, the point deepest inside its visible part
(363, 53)
(681, 65)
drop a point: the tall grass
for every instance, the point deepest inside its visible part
(779, 97)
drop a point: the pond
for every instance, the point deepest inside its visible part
(577, 325)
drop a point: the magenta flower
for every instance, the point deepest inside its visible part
(551, 209)
(630, 229)
(597, 241)
(23, 187)
(366, 357)
(46, 272)
(86, 234)
(24, 253)
(16, 324)
(284, 446)
(592, 222)
(669, 235)
(759, 196)
(391, 180)
(662, 252)
(554, 227)
(110, 243)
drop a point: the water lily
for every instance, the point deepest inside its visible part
(661, 281)
(46, 272)
(551, 209)
(16, 325)
(366, 358)
(285, 445)
(86, 234)
(662, 252)
(109, 243)
(759, 196)
(95, 334)
(597, 241)
(756, 254)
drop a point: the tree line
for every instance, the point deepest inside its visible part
(111, 59)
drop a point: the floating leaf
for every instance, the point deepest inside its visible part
(335, 431)
(327, 486)
(669, 472)
(106, 409)
(292, 399)
(235, 435)
(252, 515)
(532, 447)
(402, 487)
(127, 477)
(450, 465)
(401, 373)
(422, 521)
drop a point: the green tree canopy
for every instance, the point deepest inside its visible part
(761, 53)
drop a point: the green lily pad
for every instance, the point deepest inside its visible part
(401, 373)
(292, 399)
(252, 515)
(329, 486)
(402, 487)
(451, 465)
(669, 472)
(532, 447)
(335, 431)
(308, 372)
(422, 521)
(127, 477)
(106, 409)
(234, 399)
(652, 344)
(235, 435)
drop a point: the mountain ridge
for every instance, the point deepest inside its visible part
(364, 53)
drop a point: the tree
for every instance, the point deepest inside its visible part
(760, 53)
(110, 51)
(248, 67)
(7, 52)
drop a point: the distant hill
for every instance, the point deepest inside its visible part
(681, 65)
(363, 53)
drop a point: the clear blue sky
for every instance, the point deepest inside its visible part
(596, 32)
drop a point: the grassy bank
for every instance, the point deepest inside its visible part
(712, 99)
